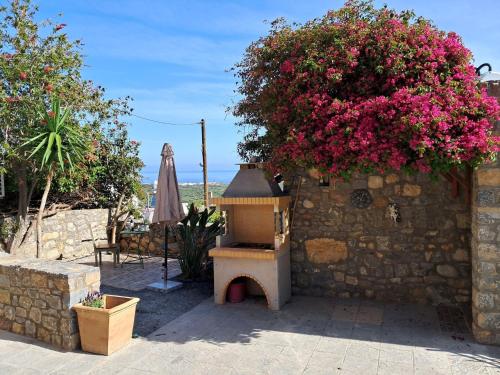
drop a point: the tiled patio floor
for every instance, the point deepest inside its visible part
(309, 336)
(132, 276)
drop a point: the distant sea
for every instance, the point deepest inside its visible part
(193, 177)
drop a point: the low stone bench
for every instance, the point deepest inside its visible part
(36, 297)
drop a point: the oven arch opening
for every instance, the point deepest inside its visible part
(253, 287)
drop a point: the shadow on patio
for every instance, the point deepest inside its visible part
(355, 335)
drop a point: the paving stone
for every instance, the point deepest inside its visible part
(249, 339)
(394, 368)
(326, 360)
(403, 357)
(357, 364)
(333, 345)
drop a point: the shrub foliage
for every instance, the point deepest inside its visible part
(363, 89)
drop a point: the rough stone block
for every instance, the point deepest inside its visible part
(490, 321)
(56, 339)
(33, 293)
(483, 301)
(4, 296)
(446, 270)
(460, 255)
(410, 190)
(70, 342)
(30, 328)
(49, 322)
(10, 312)
(25, 302)
(486, 268)
(351, 280)
(40, 303)
(380, 202)
(487, 252)
(43, 334)
(4, 281)
(54, 302)
(307, 203)
(391, 178)
(21, 312)
(326, 250)
(35, 314)
(486, 197)
(339, 276)
(39, 280)
(383, 242)
(401, 270)
(375, 182)
(488, 177)
(17, 328)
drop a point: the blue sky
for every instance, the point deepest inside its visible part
(171, 57)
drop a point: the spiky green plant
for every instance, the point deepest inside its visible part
(59, 141)
(195, 234)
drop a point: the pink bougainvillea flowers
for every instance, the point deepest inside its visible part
(364, 89)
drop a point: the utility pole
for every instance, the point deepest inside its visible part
(204, 156)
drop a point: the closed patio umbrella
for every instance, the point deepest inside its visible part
(168, 208)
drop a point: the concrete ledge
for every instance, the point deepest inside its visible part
(247, 253)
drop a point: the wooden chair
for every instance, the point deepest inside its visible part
(102, 244)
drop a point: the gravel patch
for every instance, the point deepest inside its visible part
(157, 309)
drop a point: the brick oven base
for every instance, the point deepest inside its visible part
(270, 270)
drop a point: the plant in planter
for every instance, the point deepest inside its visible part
(94, 299)
(195, 233)
(105, 322)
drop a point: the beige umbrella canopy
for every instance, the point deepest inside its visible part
(168, 207)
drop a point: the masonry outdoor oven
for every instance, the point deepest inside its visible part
(255, 244)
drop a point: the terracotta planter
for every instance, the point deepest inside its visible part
(237, 291)
(104, 331)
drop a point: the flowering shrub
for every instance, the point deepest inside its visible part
(39, 61)
(363, 89)
(93, 299)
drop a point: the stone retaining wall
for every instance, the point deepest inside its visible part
(486, 247)
(340, 250)
(67, 233)
(153, 242)
(36, 297)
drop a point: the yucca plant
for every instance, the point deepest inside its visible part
(59, 144)
(195, 234)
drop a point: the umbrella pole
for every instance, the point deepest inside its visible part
(165, 277)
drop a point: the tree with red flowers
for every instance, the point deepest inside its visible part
(38, 62)
(363, 89)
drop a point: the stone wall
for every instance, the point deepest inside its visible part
(67, 233)
(340, 250)
(36, 297)
(153, 242)
(486, 247)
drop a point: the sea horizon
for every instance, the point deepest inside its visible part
(194, 177)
